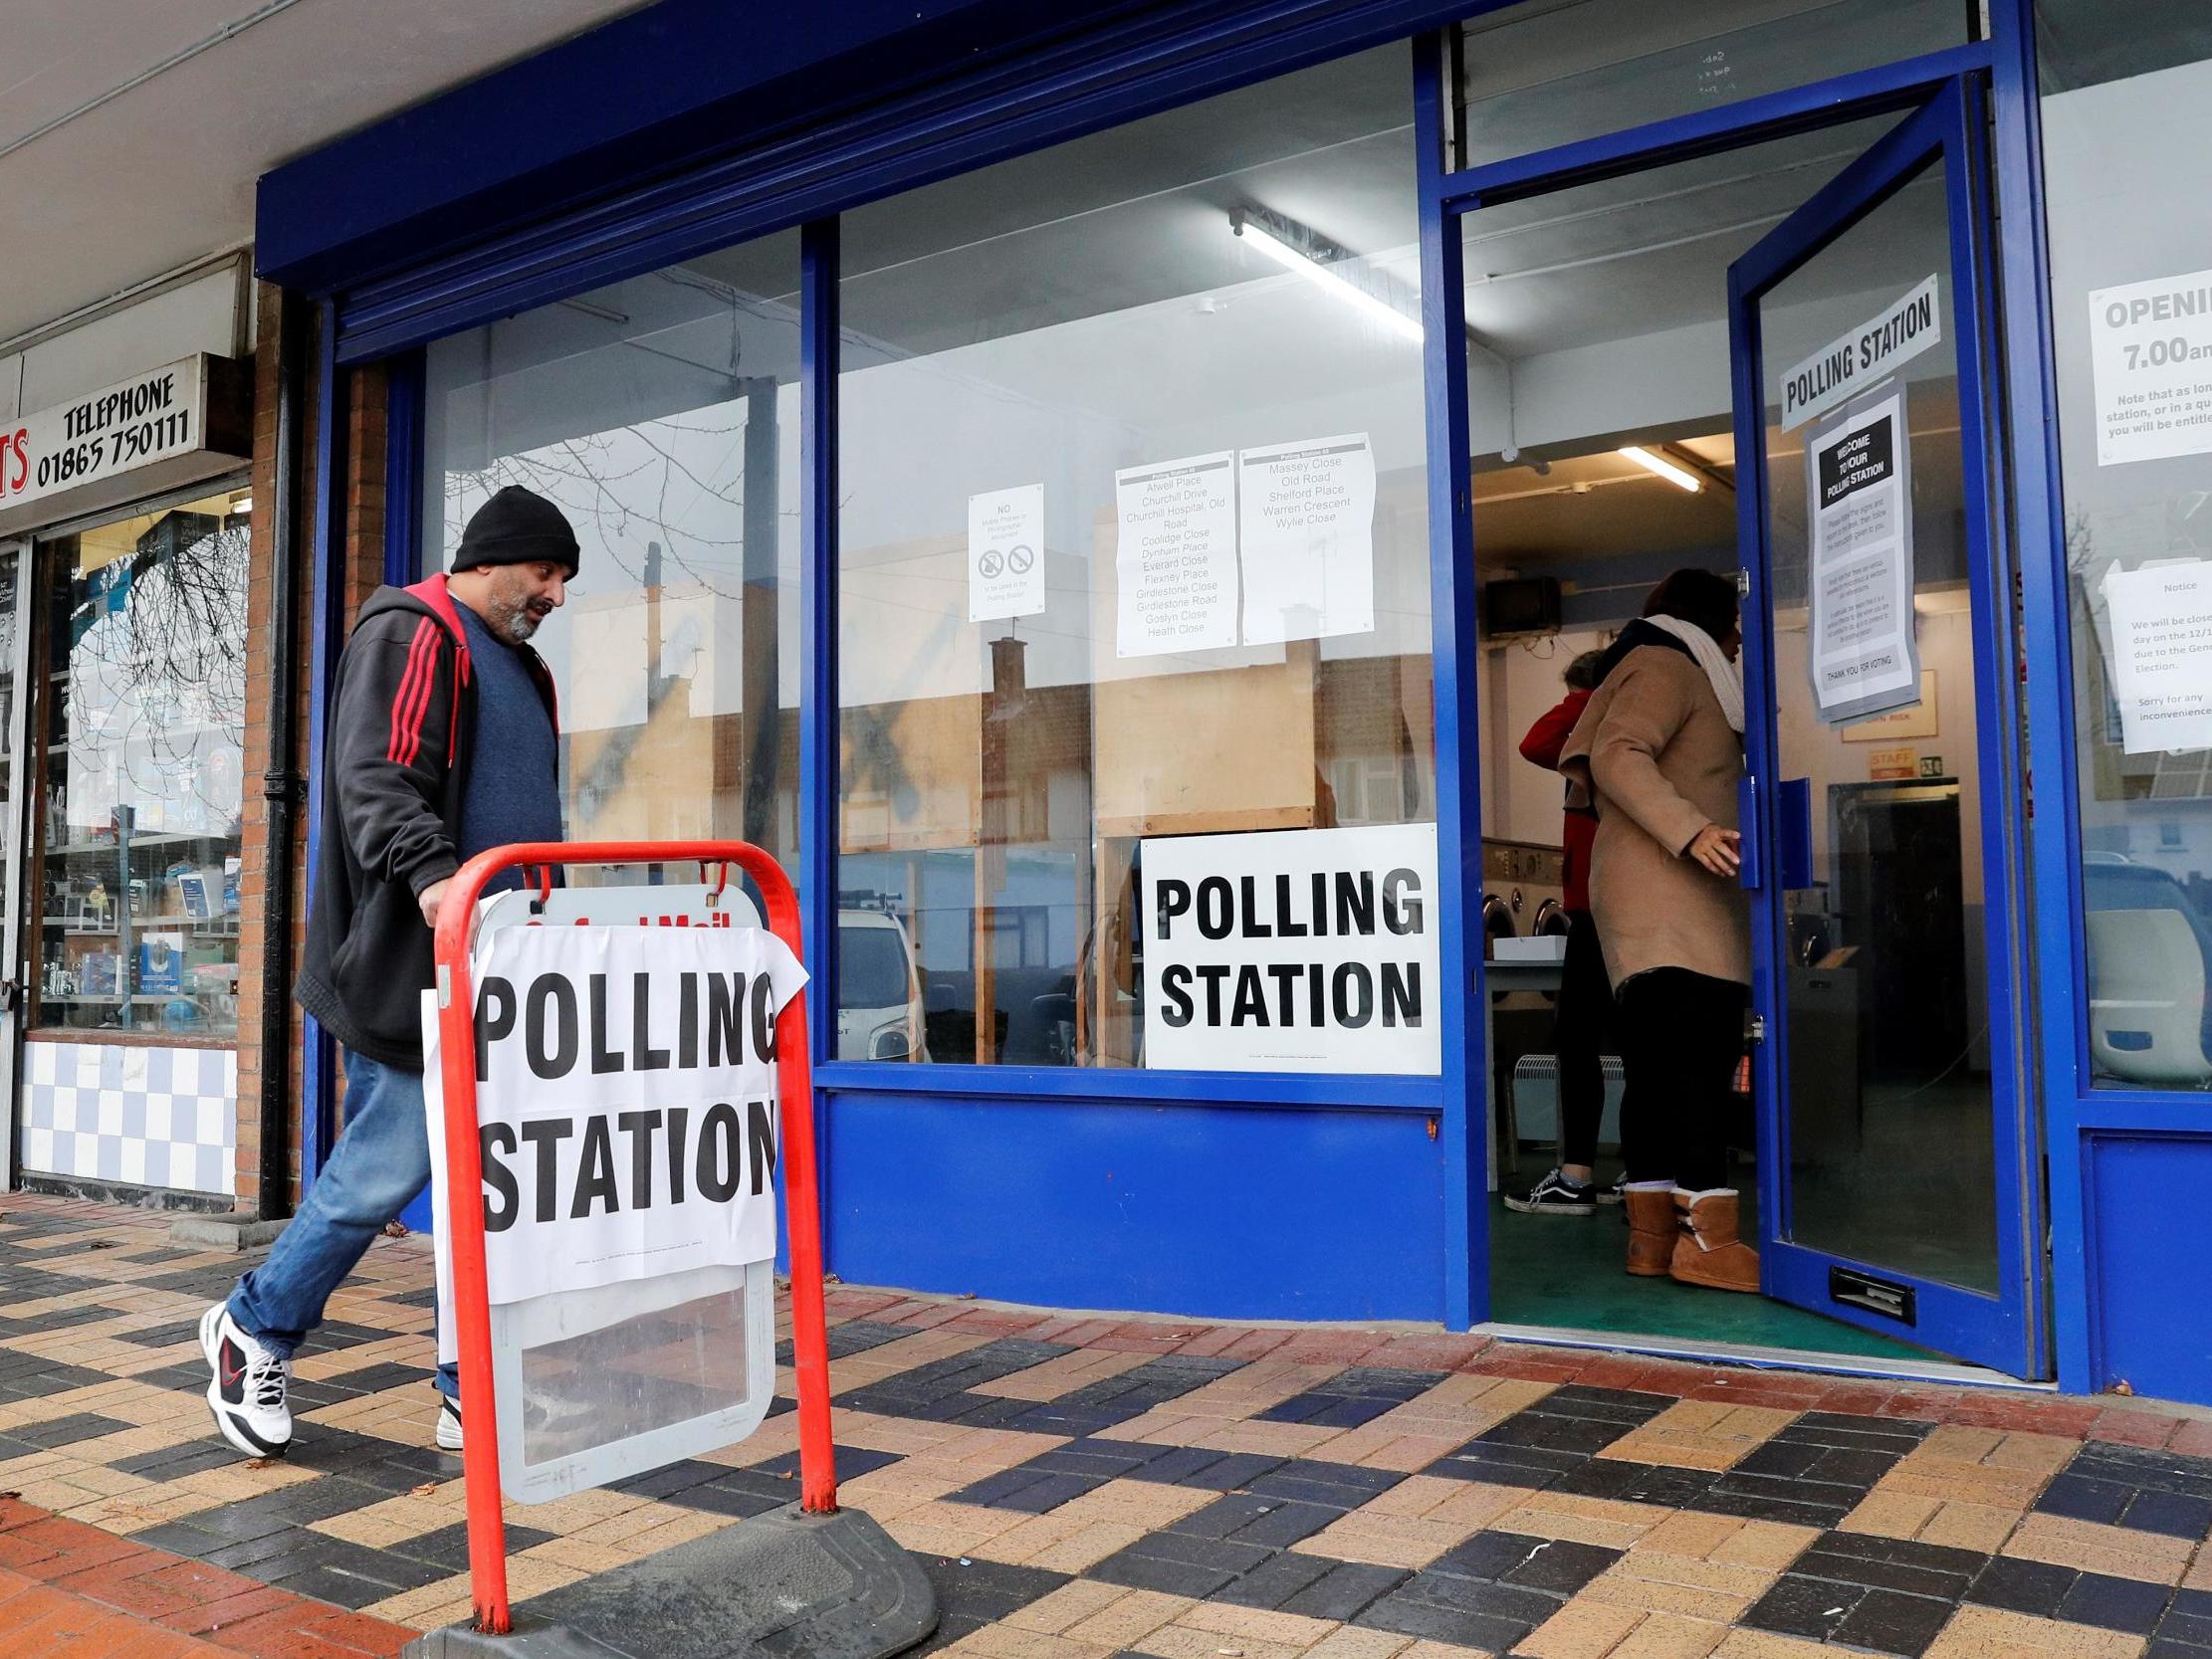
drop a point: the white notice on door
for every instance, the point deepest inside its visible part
(1307, 525)
(2151, 356)
(2161, 625)
(1006, 553)
(1176, 555)
(1861, 651)
(1861, 359)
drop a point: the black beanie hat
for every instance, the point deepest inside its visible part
(518, 527)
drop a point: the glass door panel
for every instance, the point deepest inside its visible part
(1895, 1128)
(1888, 1026)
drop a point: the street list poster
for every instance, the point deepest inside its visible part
(1006, 553)
(1862, 657)
(1176, 555)
(2161, 631)
(1306, 522)
(2150, 359)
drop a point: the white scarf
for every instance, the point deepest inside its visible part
(1727, 677)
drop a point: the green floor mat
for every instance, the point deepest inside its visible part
(1564, 1270)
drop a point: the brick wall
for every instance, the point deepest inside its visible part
(363, 529)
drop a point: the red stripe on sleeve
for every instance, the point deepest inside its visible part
(413, 697)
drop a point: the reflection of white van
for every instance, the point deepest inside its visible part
(879, 997)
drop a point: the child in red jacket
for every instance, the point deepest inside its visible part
(1585, 994)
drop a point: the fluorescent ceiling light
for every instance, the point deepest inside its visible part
(1322, 277)
(1681, 477)
(241, 506)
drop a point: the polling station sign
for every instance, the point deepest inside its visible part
(1865, 357)
(627, 1101)
(1297, 951)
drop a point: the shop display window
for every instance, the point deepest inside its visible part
(661, 414)
(137, 807)
(2126, 115)
(1133, 545)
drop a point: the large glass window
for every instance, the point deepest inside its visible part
(661, 415)
(1133, 545)
(138, 820)
(2126, 116)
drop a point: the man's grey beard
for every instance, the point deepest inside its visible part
(512, 620)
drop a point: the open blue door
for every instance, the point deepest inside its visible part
(1899, 1178)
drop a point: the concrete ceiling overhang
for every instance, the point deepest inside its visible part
(132, 135)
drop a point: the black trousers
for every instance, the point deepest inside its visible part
(1580, 1023)
(1682, 1035)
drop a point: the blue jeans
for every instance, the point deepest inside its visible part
(381, 1161)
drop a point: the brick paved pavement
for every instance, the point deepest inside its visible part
(1082, 1489)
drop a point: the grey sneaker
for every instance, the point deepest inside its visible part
(1555, 1194)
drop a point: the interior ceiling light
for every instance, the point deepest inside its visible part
(1327, 267)
(243, 505)
(1681, 477)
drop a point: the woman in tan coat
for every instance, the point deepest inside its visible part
(1659, 751)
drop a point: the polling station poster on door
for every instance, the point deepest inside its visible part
(1293, 950)
(1862, 654)
(626, 1097)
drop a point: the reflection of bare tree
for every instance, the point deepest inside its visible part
(627, 499)
(652, 483)
(157, 668)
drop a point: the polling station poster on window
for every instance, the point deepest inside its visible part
(2160, 622)
(1305, 514)
(1862, 654)
(626, 1096)
(1006, 553)
(2150, 362)
(1176, 555)
(1293, 950)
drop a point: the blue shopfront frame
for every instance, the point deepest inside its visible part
(381, 249)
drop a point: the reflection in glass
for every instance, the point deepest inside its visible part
(1052, 373)
(1550, 72)
(2127, 114)
(660, 414)
(138, 812)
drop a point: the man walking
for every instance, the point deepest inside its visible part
(442, 742)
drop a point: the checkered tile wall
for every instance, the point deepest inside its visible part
(147, 1117)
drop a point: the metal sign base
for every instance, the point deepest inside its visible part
(781, 1585)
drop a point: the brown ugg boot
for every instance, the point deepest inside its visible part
(1652, 1228)
(1707, 1251)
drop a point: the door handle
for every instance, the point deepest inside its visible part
(1793, 804)
(1748, 829)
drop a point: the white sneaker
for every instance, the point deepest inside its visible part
(449, 1423)
(247, 1391)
